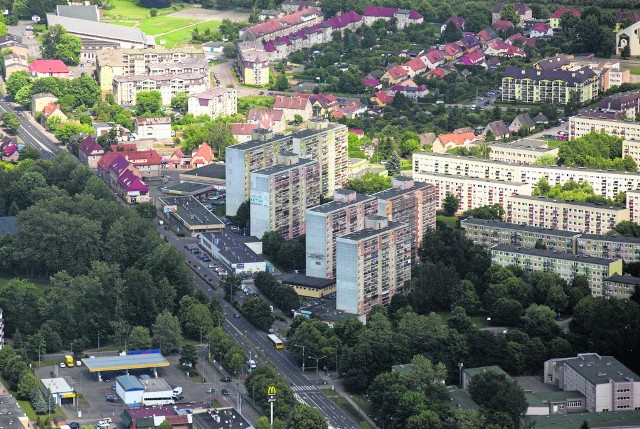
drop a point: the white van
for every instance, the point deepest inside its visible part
(252, 364)
(177, 391)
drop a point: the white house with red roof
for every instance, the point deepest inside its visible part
(49, 68)
(541, 29)
(178, 160)
(202, 156)
(396, 74)
(409, 89)
(292, 106)
(243, 132)
(445, 142)
(381, 98)
(283, 26)
(90, 152)
(153, 128)
(416, 66)
(503, 49)
(52, 110)
(433, 59)
(268, 119)
(148, 162)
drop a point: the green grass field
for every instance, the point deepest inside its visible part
(182, 36)
(634, 70)
(450, 221)
(163, 24)
(128, 9)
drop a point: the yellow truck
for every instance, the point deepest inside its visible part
(69, 361)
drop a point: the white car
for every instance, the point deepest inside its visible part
(62, 365)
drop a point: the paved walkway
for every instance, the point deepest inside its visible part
(337, 385)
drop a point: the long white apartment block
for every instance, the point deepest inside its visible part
(579, 126)
(563, 215)
(471, 192)
(604, 182)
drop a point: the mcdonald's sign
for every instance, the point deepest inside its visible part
(271, 390)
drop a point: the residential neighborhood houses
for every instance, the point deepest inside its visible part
(437, 202)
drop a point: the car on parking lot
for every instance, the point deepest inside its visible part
(226, 379)
(113, 387)
(211, 390)
(74, 425)
(62, 365)
(225, 392)
(106, 379)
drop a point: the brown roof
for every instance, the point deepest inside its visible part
(243, 129)
(290, 103)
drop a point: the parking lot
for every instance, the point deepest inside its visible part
(93, 405)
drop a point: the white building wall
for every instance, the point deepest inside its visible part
(261, 205)
(316, 244)
(347, 278)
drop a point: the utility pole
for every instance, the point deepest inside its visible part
(302, 356)
(460, 366)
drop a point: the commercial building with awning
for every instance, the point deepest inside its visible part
(59, 390)
(125, 363)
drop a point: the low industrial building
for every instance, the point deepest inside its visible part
(156, 392)
(129, 389)
(606, 383)
(227, 418)
(192, 217)
(239, 253)
(59, 389)
(211, 174)
(198, 190)
(309, 287)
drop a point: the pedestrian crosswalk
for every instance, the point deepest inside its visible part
(307, 388)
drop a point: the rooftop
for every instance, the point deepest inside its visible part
(337, 205)
(117, 363)
(627, 279)
(56, 385)
(571, 77)
(187, 188)
(528, 144)
(475, 371)
(370, 232)
(390, 193)
(89, 13)
(544, 200)
(610, 238)
(551, 254)
(11, 413)
(191, 212)
(234, 247)
(98, 29)
(129, 382)
(302, 280)
(459, 398)
(600, 369)
(221, 419)
(498, 224)
(611, 420)
(155, 385)
(213, 171)
(472, 179)
(280, 168)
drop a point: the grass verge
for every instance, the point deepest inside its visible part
(183, 35)
(348, 408)
(479, 321)
(128, 9)
(164, 24)
(634, 70)
(450, 221)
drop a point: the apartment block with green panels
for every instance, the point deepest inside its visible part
(566, 265)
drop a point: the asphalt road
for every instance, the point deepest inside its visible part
(256, 342)
(30, 133)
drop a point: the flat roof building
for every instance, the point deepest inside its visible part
(59, 390)
(189, 189)
(326, 222)
(621, 287)
(566, 265)
(609, 246)
(372, 264)
(309, 287)
(606, 383)
(191, 214)
(239, 253)
(604, 182)
(214, 174)
(489, 233)
(523, 151)
(564, 215)
(581, 125)
(281, 194)
(227, 418)
(322, 141)
(412, 203)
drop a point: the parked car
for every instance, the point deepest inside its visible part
(226, 379)
(211, 390)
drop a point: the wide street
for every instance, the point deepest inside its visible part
(256, 342)
(30, 133)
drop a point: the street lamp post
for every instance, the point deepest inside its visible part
(460, 366)
(297, 345)
(317, 365)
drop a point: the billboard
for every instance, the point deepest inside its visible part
(259, 198)
(170, 208)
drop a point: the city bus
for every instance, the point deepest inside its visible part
(276, 342)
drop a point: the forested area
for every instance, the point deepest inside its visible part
(105, 270)
(456, 279)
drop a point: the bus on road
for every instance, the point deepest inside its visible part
(276, 342)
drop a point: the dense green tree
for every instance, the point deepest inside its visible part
(180, 101)
(140, 338)
(432, 286)
(257, 311)
(195, 318)
(167, 333)
(306, 417)
(451, 204)
(393, 165)
(496, 393)
(189, 356)
(259, 381)
(508, 13)
(27, 384)
(148, 103)
(369, 183)
(485, 212)
(58, 44)
(539, 321)
(10, 122)
(506, 311)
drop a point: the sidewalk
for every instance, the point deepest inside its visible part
(336, 383)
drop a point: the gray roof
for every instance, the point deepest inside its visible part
(302, 280)
(155, 385)
(187, 188)
(498, 224)
(525, 120)
(481, 369)
(629, 419)
(370, 232)
(279, 168)
(568, 202)
(192, 212)
(387, 194)
(600, 369)
(8, 225)
(627, 279)
(459, 398)
(229, 419)
(571, 77)
(552, 254)
(529, 144)
(234, 247)
(83, 27)
(11, 410)
(254, 144)
(468, 178)
(337, 205)
(555, 62)
(89, 13)
(497, 128)
(610, 238)
(117, 363)
(129, 382)
(213, 171)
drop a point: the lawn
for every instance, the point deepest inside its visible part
(480, 321)
(348, 408)
(163, 24)
(450, 221)
(182, 36)
(128, 9)
(634, 70)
